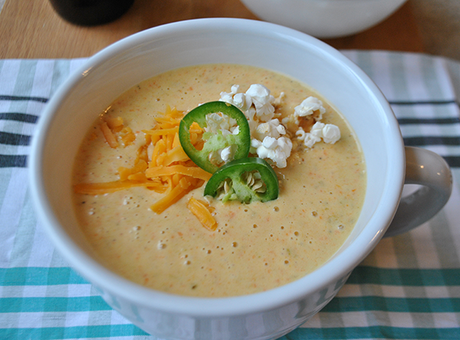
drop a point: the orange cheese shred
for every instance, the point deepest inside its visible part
(139, 167)
(115, 124)
(115, 132)
(108, 135)
(127, 136)
(202, 212)
(162, 132)
(194, 172)
(174, 195)
(109, 187)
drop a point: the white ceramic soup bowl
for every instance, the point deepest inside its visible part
(325, 18)
(77, 103)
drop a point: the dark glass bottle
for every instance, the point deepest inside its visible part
(91, 12)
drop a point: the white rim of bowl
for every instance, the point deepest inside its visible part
(212, 307)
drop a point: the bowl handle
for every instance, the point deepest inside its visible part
(428, 169)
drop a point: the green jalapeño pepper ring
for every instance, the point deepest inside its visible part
(217, 141)
(246, 180)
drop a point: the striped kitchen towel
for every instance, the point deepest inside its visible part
(407, 288)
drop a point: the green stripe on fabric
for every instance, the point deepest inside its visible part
(21, 251)
(432, 77)
(36, 276)
(5, 177)
(337, 305)
(61, 71)
(52, 304)
(22, 88)
(39, 276)
(399, 82)
(49, 333)
(403, 305)
(405, 277)
(373, 332)
(365, 62)
(456, 175)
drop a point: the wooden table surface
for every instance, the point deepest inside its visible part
(31, 29)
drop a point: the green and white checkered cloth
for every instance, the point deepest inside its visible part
(407, 288)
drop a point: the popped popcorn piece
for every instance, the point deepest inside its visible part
(228, 96)
(311, 109)
(227, 153)
(317, 129)
(308, 107)
(256, 102)
(272, 128)
(276, 150)
(262, 100)
(278, 100)
(329, 133)
(309, 139)
(235, 98)
(223, 156)
(217, 122)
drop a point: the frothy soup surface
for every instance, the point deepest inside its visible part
(256, 246)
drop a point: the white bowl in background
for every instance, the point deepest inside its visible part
(324, 18)
(77, 103)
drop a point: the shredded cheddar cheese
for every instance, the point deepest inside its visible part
(166, 170)
(202, 211)
(109, 136)
(115, 131)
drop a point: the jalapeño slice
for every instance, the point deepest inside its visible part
(240, 141)
(246, 180)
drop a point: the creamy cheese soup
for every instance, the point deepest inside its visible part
(256, 246)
